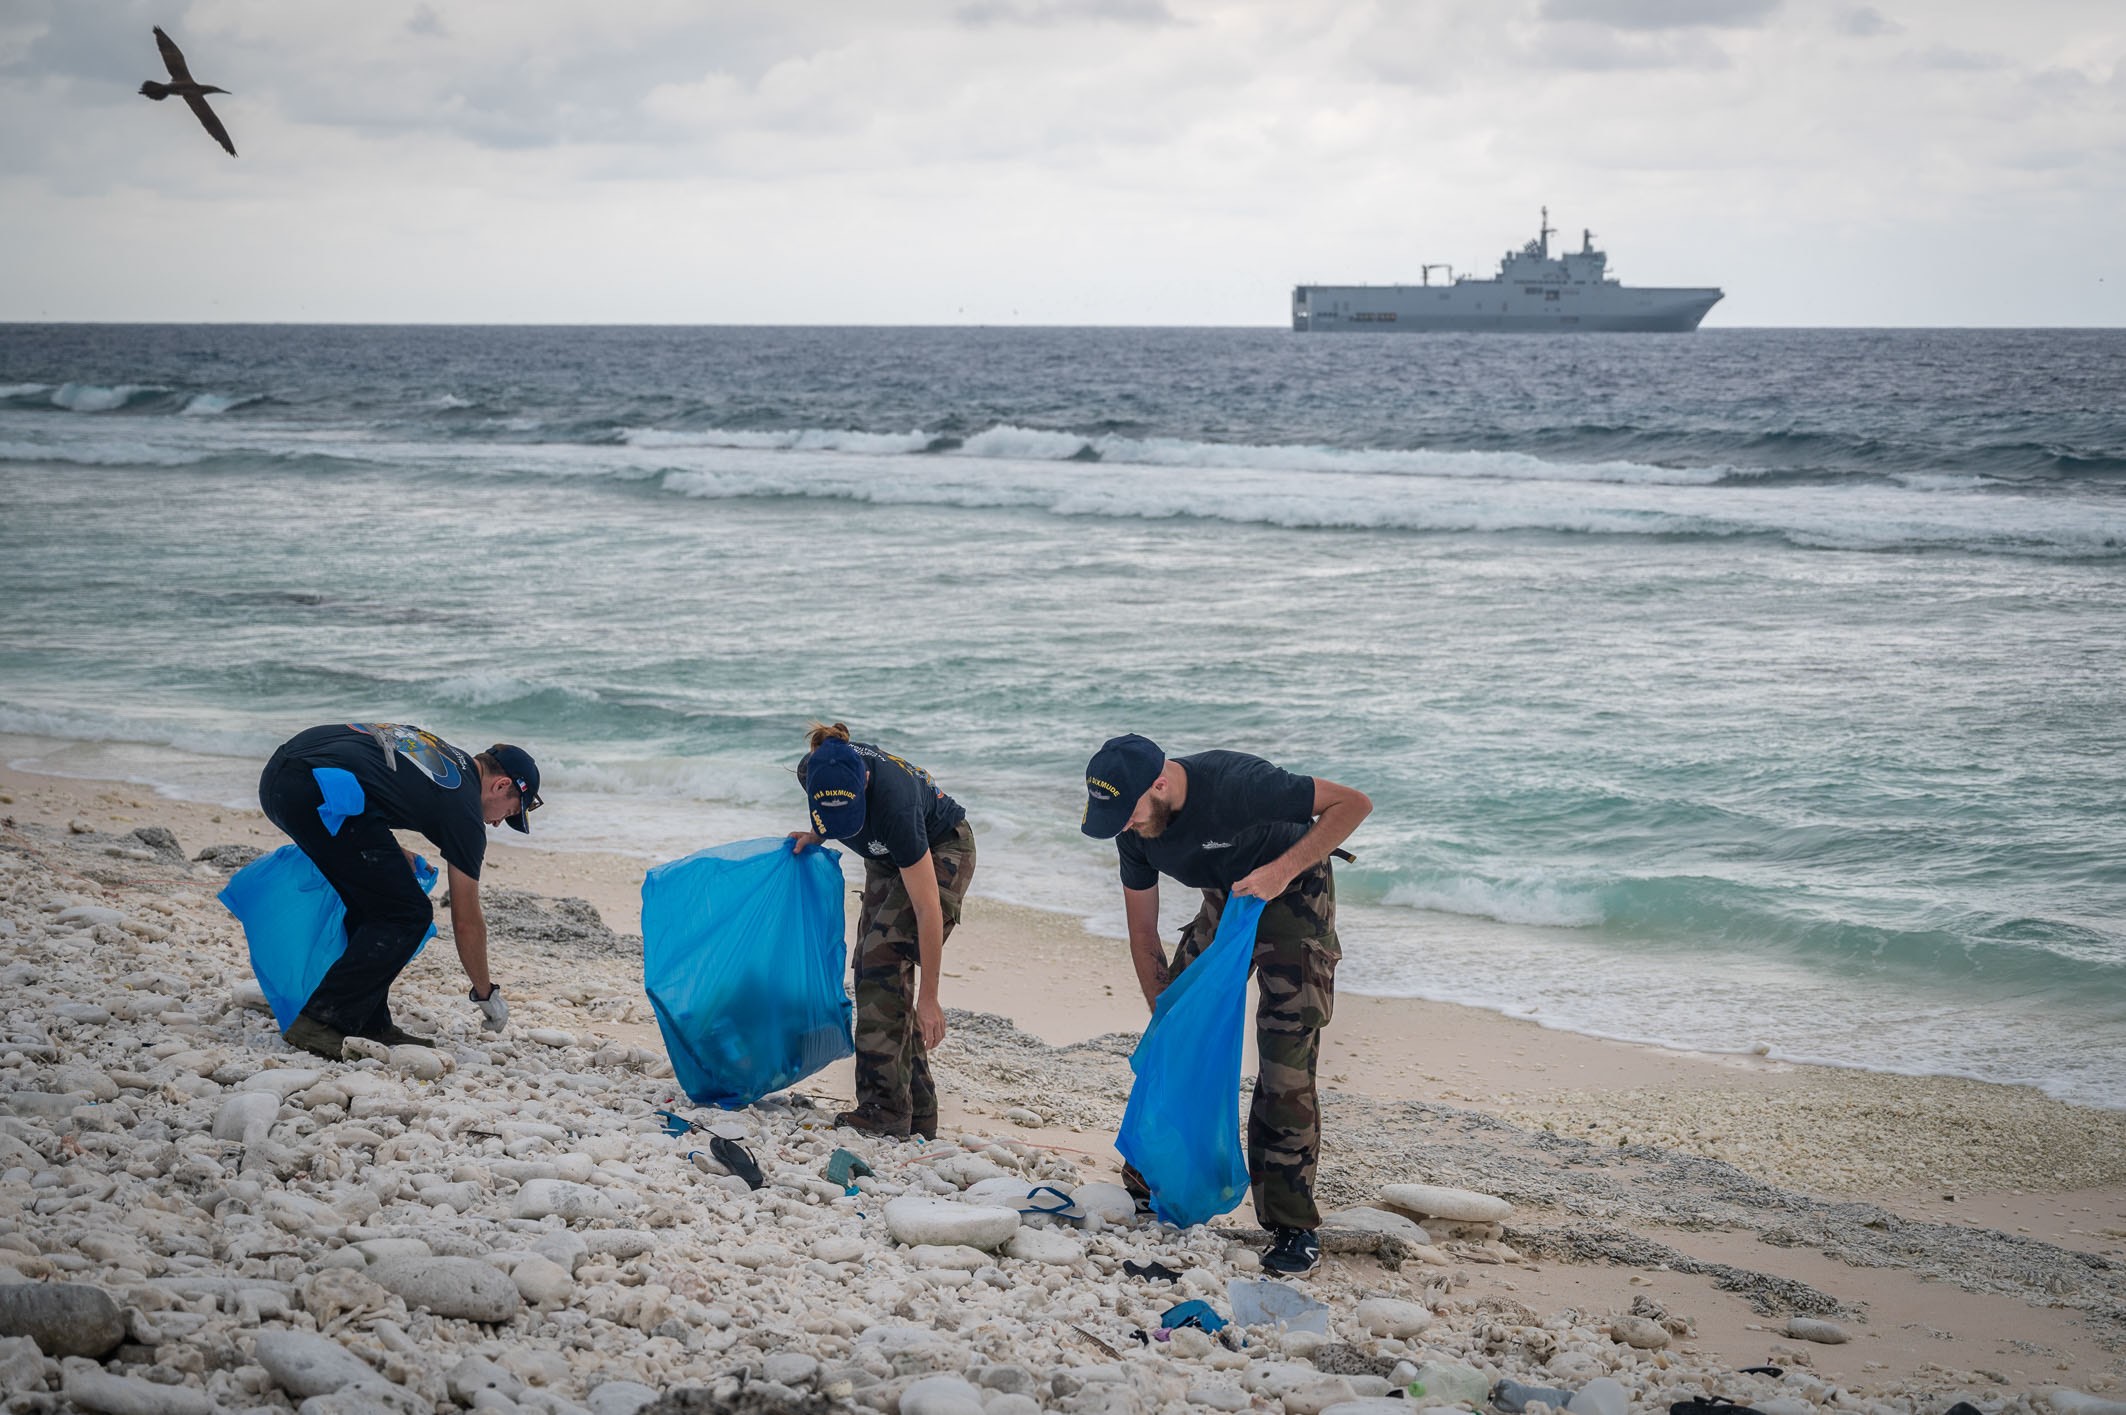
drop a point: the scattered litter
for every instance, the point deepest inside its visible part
(1260, 1302)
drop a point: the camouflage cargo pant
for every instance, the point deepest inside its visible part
(892, 1069)
(1296, 952)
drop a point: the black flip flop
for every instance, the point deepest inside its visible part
(1151, 1272)
(732, 1156)
(1711, 1405)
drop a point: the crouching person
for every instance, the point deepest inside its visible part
(338, 791)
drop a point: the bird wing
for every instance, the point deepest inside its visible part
(211, 123)
(172, 57)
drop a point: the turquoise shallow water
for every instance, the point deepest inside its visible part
(1723, 690)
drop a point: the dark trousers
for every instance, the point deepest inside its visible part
(387, 913)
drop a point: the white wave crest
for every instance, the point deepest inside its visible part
(487, 687)
(207, 405)
(810, 439)
(95, 398)
(1547, 904)
(23, 390)
(1007, 442)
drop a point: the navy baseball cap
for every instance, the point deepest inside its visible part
(523, 772)
(1121, 771)
(834, 786)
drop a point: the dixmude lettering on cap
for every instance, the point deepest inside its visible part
(1095, 785)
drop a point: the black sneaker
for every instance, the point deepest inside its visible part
(1293, 1251)
(309, 1034)
(868, 1120)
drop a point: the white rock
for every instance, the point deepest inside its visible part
(282, 1081)
(791, 1368)
(964, 1170)
(551, 1037)
(916, 1220)
(1600, 1396)
(1371, 1220)
(21, 1364)
(250, 995)
(1434, 1201)
(1230, 1399)
(1642, 1332)
(954, 1256)
(91, 1389)
(421, 1063)
(839, 1248)
(1391, 1316)
(376, 1250)
(1815, 1329)
(619, 1398)
(304, 1365)
(2068, 1401)
(1110, 1202)
(540, 1197)
(476, 1375)
(450, 1287)
(543, 1282)
(1043, 1245)
(1011, 1403)
(84, 1080)
(941, 1395)
(1378, 1405)
(85, 1012)
(1190, 1343)
(1318, 1395)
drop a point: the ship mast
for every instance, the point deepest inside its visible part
(1546, 232)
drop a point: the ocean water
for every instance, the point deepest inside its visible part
(1749, 689)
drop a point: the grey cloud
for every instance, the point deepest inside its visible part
(1867, 21)
(425, 20)
(1663, 14)
(1949, 57)
(1592, 49)
(1043, 14)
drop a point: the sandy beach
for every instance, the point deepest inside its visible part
(1968, 1238)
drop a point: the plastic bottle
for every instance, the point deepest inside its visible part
(1513, 1397)
(1446, 1383)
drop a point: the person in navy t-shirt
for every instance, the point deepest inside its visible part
(918, 854)
(339, 791)
(1228, 823)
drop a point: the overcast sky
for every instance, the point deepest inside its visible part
(1055, 161)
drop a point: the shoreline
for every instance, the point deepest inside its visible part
(1402, 1077)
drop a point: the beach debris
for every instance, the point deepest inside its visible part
(522, 1230)
(1433, 1201)
(1816, 1329)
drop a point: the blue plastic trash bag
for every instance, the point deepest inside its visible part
(742, 956)
(343, 797)
(295, 924)
(1182, 1128)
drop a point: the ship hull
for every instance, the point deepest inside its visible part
(1477, 307)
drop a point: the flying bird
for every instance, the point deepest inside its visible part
(184, 86)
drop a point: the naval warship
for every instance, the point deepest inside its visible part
(1533, 292)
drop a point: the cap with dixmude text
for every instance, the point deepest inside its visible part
(834, 788)
(1120, 772)
(523, 772)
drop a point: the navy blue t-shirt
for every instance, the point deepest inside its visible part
(1240, 813)
(904, 811)
(419, 782)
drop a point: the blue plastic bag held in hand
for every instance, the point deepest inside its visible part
(1182, 1128)
(295, 924)
(742, 956)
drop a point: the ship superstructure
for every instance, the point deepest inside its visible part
(1534, 291)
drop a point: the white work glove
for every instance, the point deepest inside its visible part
(495, 1010)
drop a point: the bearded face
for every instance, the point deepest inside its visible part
(1158, 815)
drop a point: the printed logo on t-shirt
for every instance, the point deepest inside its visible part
(876, 847)
(424, 749)
(1217, 845)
